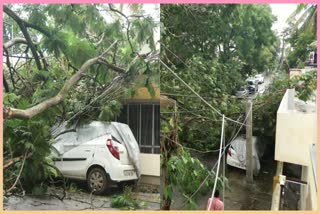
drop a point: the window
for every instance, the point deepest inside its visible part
(144, 121)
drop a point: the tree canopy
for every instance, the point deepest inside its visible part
(68, 63)
(213, 48)
(302, 34)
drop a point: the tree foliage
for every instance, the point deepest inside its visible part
(302, 34)
(213, 48)
(85, 56)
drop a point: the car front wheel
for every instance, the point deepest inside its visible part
(97, 181)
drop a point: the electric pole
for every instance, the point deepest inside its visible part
(249, 153)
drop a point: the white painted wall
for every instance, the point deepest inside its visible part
(150, 164)
(295, 132)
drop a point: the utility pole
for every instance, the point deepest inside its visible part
(249, 153)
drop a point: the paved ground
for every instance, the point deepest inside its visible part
(262, 87)
(239, 197)
(77, 201)
(255, 197)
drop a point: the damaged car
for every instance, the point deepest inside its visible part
(99, 153)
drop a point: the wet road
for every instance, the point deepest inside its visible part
(239, 197)
(76, 201)
(246, 197)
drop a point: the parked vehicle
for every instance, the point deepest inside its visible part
(259, 78)
(242, 92)
(236, 154)
(253, 86)
(100, 153)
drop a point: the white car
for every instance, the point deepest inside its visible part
(100, 153)
(260, 78)
(242, 92)
(236, 154)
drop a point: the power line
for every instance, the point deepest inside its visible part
(191, 89)
(214, 166)
(217, 173)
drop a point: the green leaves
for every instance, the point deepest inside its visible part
(126, 201)
(168, 192)
(187, 174)
(144, 31)
(10, 98)
(74, 33)
(110, 110)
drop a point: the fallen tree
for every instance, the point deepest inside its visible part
(10, 113)
(60, 68)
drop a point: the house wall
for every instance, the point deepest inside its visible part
(295, 132)
(150, 168)
(143, 93)
(150, 163)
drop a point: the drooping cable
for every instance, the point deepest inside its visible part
(217, 172)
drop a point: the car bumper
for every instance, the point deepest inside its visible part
(123, 173)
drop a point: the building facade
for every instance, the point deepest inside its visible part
(142, 113)
(296, 143)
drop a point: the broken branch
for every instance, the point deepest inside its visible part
(14, 41)
(18, 177)
(9, 113)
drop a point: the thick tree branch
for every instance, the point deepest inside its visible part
(14, 41)
(9, 112)
(113, 67)
(25, 33)
(39, 108)
(10, 68)
(5, 84)
(10, 162)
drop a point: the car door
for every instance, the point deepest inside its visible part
(76, 160)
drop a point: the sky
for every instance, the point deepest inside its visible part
(282, 12)
(152, 10)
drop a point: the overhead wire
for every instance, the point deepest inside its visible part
(193, 91)
(215, 165)
(222, 140)
(217, 172)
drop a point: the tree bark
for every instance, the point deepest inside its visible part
(5, 84)
(9, 113)
(25, 33)
(37, 109)
(14, 41)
